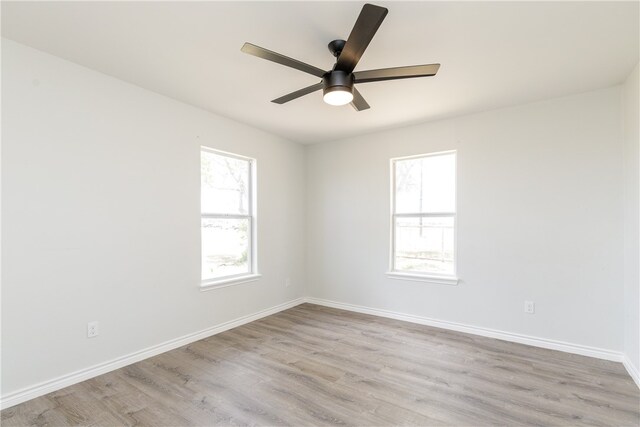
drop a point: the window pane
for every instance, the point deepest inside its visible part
(225, 247)
(424, 244)
(224, 184)
(426, 184)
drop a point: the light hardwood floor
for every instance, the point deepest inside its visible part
(312, 365)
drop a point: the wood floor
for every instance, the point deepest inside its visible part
(312, 365)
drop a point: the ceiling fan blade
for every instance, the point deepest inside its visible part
(358, 101)
(396, 73)
(298, 93)
(263, 53)
(363, 31)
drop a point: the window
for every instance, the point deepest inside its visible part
(227, 218)
(424, 218)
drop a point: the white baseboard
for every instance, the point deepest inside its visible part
(633, 370)
(583, 350)
(45, 387)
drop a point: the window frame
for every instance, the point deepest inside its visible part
(252, 252)
(393, 273)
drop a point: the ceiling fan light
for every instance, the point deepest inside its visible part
(338, 87)
(338, 96)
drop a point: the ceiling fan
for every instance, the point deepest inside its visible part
(338, 83)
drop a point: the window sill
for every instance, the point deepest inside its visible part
(209, 285)
(429, 278)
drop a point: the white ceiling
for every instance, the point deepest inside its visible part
(493, 54)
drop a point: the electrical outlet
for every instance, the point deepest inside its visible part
(287, 282)
(529, 307)
(92, 329)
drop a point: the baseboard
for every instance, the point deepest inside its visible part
(633, 371)
(475, 330)
(43, 388)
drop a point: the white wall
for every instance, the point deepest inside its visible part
(631, 217)
(100, 218)
(540, 195)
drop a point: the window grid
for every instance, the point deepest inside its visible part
(249, 216)
(446, 214)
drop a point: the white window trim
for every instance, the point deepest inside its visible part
(208, 285)
(252, 254)
(442, 279)
(428, 278)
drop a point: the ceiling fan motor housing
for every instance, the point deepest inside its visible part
(337, 80)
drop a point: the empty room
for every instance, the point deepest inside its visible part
(320, 213)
